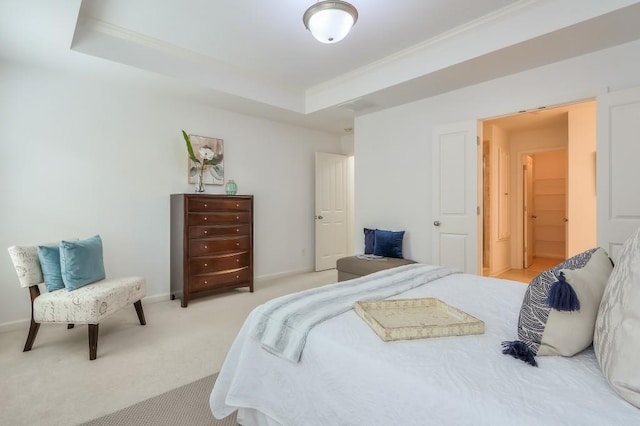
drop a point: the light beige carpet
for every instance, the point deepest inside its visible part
(186, 405)
(176, 347)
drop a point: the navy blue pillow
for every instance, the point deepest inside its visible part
(369, 240)
(388, 243)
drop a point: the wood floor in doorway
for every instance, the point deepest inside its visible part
(539, 264)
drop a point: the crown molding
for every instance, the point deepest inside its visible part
(428, 44)
(176, 61)
(506, 27)
(106, 28)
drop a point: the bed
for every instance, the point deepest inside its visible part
(347, 375)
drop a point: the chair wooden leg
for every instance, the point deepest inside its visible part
(70, 326)
(34, 292)
(140, 312)
(33, 332)
(93, 341)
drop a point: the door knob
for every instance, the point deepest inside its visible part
(319, 217)
(436, 223)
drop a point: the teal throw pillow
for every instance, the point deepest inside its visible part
(81, 262)
(50, 264)
(388, 243)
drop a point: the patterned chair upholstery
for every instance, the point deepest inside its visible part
(87, 305)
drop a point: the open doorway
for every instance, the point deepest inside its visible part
(538, 189)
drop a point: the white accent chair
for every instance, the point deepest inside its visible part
(87, 305)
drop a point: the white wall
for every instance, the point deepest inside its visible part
(347, 142)
(82, 156)
(581, 191)
(500, 247)
(393, 152)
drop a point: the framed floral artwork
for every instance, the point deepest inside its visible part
(210, 152)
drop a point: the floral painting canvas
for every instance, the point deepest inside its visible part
(210, 149)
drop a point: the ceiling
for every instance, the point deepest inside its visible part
(256, 57)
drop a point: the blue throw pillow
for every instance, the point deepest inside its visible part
(50, 264)
(369, 240)
(81, 262)
(388, 243)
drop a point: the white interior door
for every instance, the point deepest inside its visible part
(331, 209)
(618, 203)
(528, 211)
(455, 196)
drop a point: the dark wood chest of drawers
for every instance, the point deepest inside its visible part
(211, 244)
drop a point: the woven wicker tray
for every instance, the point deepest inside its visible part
(403, 319)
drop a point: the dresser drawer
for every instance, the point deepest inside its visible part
(196, 219)
(218, 245)
(211, 244)
(208, 282)
(208, 265)
(204, 204)
(216, 231)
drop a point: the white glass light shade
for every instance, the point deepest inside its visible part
(330, 21)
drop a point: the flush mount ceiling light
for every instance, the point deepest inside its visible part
(330, 21)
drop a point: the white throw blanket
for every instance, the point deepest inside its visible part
(282, 324)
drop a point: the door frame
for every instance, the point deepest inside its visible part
(517, 246)
(527, 195)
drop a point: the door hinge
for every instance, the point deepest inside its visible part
(478, 140)
(478, 211)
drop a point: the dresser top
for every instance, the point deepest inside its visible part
(201, 195)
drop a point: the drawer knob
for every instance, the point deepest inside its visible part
(237, 205)
(206, 232)
(206, 246)
(206, 264)
(237, 217)
(238, 244)
(238, 230)
(237, 277)
(205, 205)
(205, 281)
(237, 260)
(205, 218)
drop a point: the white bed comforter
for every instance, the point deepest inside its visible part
(348, 376)
(282, 325)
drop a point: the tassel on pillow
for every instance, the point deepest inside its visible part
(562, 297)
(519, 350)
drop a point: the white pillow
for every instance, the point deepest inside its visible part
(543, 330)
(617, 335)
(568, 333)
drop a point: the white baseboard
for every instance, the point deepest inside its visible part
(22, 324)
(500, 272)
(549, 256)
(262, 278)
(162, 297)
(155, 298)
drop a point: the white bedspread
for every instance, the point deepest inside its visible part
(282, 324)
(348, 376)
